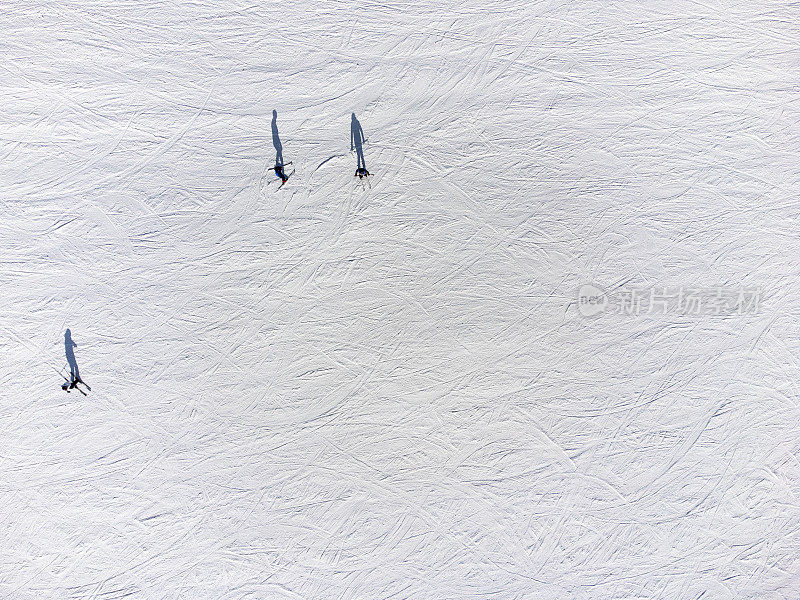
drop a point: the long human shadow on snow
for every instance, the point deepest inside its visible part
(73, 364)
(276, 140)
(357, 143)
(74, 373)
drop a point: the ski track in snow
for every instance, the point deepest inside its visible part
(384, 389)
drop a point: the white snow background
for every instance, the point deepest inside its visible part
(385, 390)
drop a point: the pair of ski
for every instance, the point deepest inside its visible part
(72, 384)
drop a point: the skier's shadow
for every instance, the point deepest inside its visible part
(74, 373)
(357, 143)
(276, 140)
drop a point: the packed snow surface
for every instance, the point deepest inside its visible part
(387, 387)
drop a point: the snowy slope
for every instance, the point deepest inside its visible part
(385, 389)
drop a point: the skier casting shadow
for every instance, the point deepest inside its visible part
(74, 374)
(276, 141)
(357, 143)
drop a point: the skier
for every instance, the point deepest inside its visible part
(73, 385)
(281, 173)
